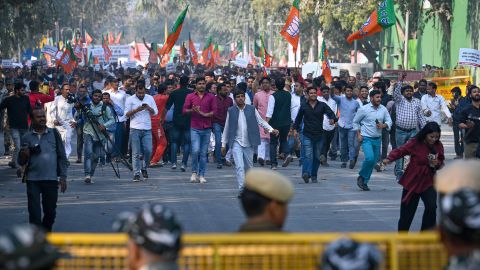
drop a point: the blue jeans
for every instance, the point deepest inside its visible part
(119, 138)
(371, 149)
(17, 135)
(200, 140)
(141, 141)
(243, 157)
(313, 150)
(348, 143)
(402, 137)
(92, 151)
(179, 137)
(217, 131)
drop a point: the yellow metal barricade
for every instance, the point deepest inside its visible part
(287, 251)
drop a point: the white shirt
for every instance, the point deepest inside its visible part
(48, 108)
(270, 107)
(119, 97)
(242, 131)
(140, 120)
(435, 105)
(294, 106)
(62, 111)
(247, 99)
(333, 106)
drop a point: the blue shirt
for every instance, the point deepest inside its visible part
(365, 120)
(347, 108)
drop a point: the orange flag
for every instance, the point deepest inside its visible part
(326, 70)
(119, 37)
(106, 50)
(136, 54)
(193, 51)
(291, 29)
(110, 38)
(88, 38)
(382, 18)
(175, 33)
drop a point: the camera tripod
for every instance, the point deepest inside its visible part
(94, 122)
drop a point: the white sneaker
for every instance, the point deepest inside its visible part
(193, 178)
(88, 180)
(203, 180)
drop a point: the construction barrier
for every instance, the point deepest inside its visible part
(288, 251)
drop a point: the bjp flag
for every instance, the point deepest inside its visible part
(380, 19)
(291, 29)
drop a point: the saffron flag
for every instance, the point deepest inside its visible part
(326, 71)
(175, 33)
(207, 51)
(106, 50)
(291, 29)
(78, 51)
(380, 19)
(119, 37)
(183, 52)
(267, 58)
(68, 60)
(136, 53)
(110, 38)
(88, 38)
(193, 51)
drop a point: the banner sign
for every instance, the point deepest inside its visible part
(50, 50)
(7, 63)
(469, 57)
(118, 51)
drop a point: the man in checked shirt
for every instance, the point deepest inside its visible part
(409, 117)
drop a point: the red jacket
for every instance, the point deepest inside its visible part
(418, 176)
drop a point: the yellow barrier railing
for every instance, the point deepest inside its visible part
(254, 251)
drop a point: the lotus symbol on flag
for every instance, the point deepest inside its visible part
(294, 27)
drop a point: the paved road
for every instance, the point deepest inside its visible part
(334, 204)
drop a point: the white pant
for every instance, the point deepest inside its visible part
(66, 134)
(264, 149)
(243, 157)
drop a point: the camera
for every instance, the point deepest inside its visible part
(71, 98)
(34, 150)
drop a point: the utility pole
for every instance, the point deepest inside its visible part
(57, 33)
(405, 46)
(355, 51)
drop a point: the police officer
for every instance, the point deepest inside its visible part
(264, 200)
(154, 237)
(24, 247)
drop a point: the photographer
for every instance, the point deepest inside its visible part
(42, 145)
(95, 123)
(62, 115)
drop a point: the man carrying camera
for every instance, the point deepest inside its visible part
(96, 118)
(41, 146)
(62, 115)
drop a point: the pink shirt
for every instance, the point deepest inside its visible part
(207, 104)
(260, 101)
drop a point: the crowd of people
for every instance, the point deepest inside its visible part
(146, 117)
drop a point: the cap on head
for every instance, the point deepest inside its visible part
(460, 214)
(154, 228)
(457, 175)
(344, 253)
(25, 247)
(269, 184)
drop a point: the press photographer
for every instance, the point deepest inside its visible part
(95, 118)
(42, 145)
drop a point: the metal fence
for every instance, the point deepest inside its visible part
(290, 251)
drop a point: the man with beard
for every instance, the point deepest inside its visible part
(409, 117)
(470, 121)
(421, 90)
(369, 122)
(201, 106)
(223, 103)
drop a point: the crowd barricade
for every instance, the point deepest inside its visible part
(269, 251)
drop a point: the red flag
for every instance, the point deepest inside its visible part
(326, 71)
(106, 50)
(119, 37)
(267, 62)
(88, 38)
(291, 29)
(193, 51)
(207, 52)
